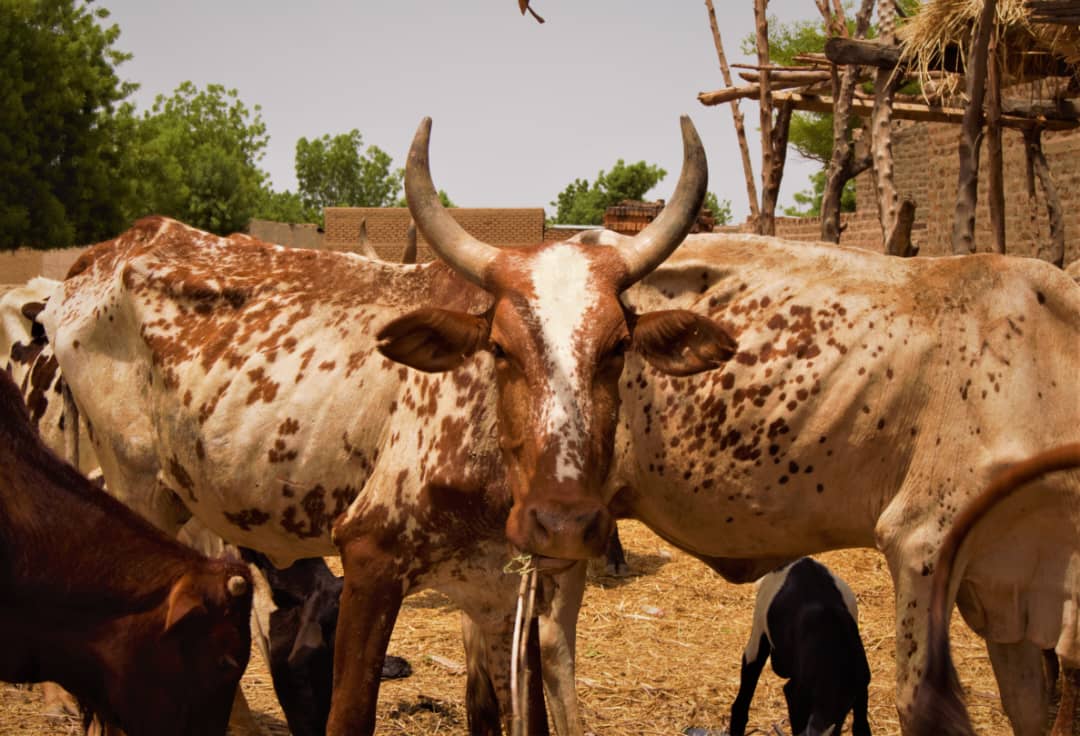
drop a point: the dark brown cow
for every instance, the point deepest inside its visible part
(149, 635)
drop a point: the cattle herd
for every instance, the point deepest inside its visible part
(751, 400)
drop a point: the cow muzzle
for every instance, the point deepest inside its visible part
(564, 531)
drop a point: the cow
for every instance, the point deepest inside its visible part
(255, 385)
(806, 619)
(149, 635)
(939, 707)
(915, 378)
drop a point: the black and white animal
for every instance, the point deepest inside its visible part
(806, 618)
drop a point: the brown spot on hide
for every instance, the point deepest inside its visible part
(248, 518)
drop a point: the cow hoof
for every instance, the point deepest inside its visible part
(395, 668)
(622, 570)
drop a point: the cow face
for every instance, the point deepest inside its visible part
(184, 682)
(557, 332)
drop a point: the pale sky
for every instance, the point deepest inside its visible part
(519, 109)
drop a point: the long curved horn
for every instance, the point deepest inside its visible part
(465, 254)
(409, 254)
(365, 247)
(663, 235)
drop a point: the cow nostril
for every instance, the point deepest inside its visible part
(542, 527)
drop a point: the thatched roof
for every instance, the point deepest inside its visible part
(1031, 50)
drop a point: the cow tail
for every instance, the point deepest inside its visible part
(939, 704)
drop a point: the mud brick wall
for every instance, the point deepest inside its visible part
(927, 167)
(387, 227)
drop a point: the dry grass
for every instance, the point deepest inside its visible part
(658, 652)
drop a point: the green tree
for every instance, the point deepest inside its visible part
(281, 207)
(337, 172)
(60, 152)
(721, 211)
(444, 198)
(582, 203)
(196, 158)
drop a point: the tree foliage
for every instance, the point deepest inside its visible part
(60, 155)
(196, 157)
(721, 210)
(337, 172)
(582, 203)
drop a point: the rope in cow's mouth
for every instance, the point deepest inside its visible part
(523, 566)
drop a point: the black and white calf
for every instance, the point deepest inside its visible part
(806, 618)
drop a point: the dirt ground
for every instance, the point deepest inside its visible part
(658, 652)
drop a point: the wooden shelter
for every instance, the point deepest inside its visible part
(982, 64)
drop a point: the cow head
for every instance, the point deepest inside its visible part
(182, 677)
(558, 332)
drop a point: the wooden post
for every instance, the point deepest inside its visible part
(1037, 160)
(778, 143)
(766, 221)
(994, 159)
(963, 239)
(842, 164)
(886, 82)
(736, 115)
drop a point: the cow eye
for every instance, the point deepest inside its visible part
(498, 351)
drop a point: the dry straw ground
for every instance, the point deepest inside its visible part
(658, 652)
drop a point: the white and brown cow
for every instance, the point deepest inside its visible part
(870, 398)
(247, 380)
(987, 521)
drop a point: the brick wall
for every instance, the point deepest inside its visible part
(861, 229)
(387, 227)
(19, 266)
(290, 235)
(927, 168)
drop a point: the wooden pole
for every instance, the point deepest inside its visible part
(766, 220)
(1033, 147)
(963, 238)
(886, 82)
(842, 165)
(737, 117)
(994, 158)
(778, 143)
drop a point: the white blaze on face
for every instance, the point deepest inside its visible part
(562, 280)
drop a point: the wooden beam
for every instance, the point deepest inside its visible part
(841, 51)
(995, 171)
(736, 116)
(777, 78)
(1012, 116)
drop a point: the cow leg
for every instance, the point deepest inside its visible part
(798, 708)
(370, 600)
(489, 704)
(748, 679)
(1018, 669)
(1070, 684)
(615, 556)
(481, 701)
(860, 720)
(558, 640)
(912, 589)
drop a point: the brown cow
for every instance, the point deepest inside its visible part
(939, 706)
(149, 635)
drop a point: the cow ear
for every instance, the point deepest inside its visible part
(433, 340)
(681, 343)
(185, 601)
